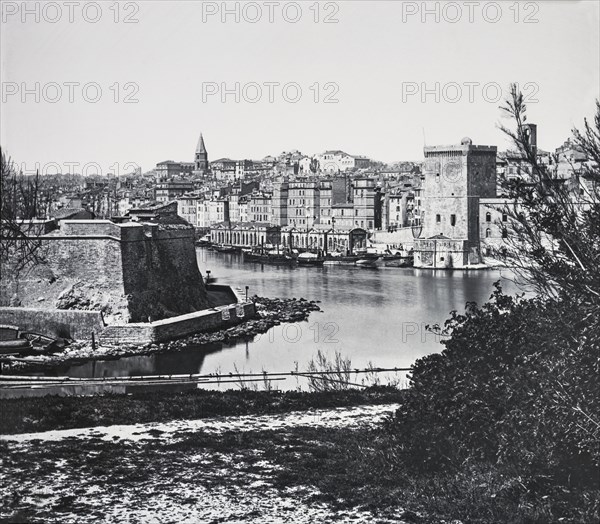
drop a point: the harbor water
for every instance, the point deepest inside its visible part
(372, 316)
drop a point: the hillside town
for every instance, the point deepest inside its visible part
(317, 262)
(445, 210)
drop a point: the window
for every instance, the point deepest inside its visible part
(504, 217)
(452, 220)
(438, 218)
(504, 233)
(488, 217)
(488, 233)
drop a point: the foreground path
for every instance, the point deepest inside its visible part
(355, 416)
(207, 470)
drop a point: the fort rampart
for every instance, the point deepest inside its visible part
(132, 272)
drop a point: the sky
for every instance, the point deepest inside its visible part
(103, 86)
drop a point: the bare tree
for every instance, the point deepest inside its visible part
(19, 247)
(553, 240)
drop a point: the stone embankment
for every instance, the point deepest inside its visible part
(270, 312)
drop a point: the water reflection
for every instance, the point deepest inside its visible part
(188, 361)
(369, 315)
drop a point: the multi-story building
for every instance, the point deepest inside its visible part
(571, 166)
(202, 215)
(229, 170)
(279, 203)
(243, 207)
(398, 208)
(260, 207)
(336, 161)
(303, 203)
(224, 169)
(512, 165)
(366, 198)
(493, 222)
(414, 211)
(305, 164)
(211, 212)
(234, 206)
(331, 191)
(189, 208)
(169, 169)
(342, 216)
(218, 211)
(168, 191)
(243, 168)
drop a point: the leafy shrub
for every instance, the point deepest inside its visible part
(516, 386)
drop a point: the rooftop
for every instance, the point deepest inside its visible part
(68, 212)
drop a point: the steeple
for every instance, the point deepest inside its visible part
(201, 148)
(201, 156)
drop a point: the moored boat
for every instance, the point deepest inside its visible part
(348, 260)
(14, 347)
(310, 259)
(224, 248)
(41, 344)
(367, 257)
(252, 255)
(15, 342)
(204, 241)
(279, 256)
(272, 256)
(398, 260)
(367, 262)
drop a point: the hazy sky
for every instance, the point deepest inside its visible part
(373, 62)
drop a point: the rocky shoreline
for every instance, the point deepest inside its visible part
(270, 312)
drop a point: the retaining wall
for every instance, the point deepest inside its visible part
(180, 326)
(79, 325)
(71, 323)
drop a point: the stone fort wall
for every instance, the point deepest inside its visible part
(131, 272)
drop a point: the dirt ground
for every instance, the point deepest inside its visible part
(213, 470)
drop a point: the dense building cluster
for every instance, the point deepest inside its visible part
(448, 207)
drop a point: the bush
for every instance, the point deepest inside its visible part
(516, 386)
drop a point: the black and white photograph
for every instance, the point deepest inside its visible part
(300, 262)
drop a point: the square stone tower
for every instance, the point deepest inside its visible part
(455, 178)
